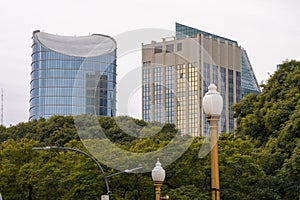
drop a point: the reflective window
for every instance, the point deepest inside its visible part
(230, 99)
(182, 97)
(158, 49)
(215, 76)
(249, 82)
(68, 85)
(147, 83)
(193, 101)
(169, 104)
(179, 46)
(238, 87)
(158, 91)
(206, 75)
(223, 94)
(206, 83)
(169, 48)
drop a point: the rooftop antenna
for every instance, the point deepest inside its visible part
(1, 106)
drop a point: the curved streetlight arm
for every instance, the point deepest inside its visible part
(95, 161)
(126, 171)
(80, 152)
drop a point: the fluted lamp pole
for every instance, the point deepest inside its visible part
(213, 105)
(158, 177)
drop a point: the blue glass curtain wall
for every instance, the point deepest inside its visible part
(69, 85)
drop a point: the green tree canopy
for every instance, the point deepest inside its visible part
(261, 162)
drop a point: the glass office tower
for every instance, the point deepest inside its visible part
(72, 75)
(176, 73)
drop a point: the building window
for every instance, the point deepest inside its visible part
(206, 83)
(238, 87)
(179, 46)
(223, 94)
(192, 99)
(147, 64)
(230, 99)
(169, 100)
(147, 80)
(158, 49)
(206, 77)
(181, 97)
(169, 48)
(215, 76)
(158, 89)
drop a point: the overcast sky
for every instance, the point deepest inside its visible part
(269, 31)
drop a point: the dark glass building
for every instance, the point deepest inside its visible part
(249, 81)
(72, 75)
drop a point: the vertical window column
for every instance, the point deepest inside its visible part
(238, 87)
(223, 94)
(170, 72)
(158, 94)
(230, 99)
(206, 83)
(147, 79)
(193, 100)
(181, 95)
(215, 76)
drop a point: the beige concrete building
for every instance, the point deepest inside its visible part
(176, 73)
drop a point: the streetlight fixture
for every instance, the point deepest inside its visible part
(213, 105)
(106, 197)
(158, 177)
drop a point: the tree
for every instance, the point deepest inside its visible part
(263, 116)
(289, 176)
(272, 119)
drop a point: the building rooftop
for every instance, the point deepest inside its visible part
(79, 46)
(183, 31)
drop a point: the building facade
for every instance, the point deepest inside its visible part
(249, 82)
(72, 75)
(177, 72)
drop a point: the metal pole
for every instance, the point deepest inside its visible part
(125, 171)
(157, 185)
(215, 183)
(84, 153)
(106, 197)
(95, 161)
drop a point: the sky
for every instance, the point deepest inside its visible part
(269, 30)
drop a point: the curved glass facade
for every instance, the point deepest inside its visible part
(65, 83)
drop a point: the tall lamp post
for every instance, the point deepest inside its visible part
(106, 197)
(158, 177)
(213, 105)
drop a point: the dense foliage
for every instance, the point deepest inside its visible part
(272, 120)
(262, 161)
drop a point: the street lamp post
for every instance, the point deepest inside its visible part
(213, 105)
(95, 161)
(158, 177)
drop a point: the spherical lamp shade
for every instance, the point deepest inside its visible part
(212, 101)
(158, 173)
